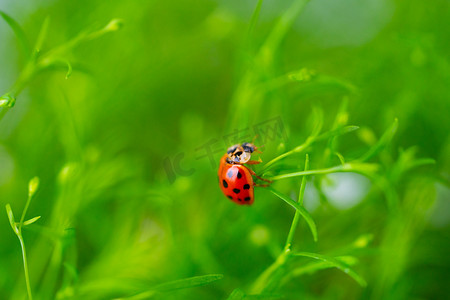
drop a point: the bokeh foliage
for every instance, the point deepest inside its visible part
(183, 74)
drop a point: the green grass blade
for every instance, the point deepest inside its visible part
(188, 282)
(315, 266)
(177, 285)
(321, 265)
(254, 19)
(382, 142)
(301, 193)
(20, 34)
(337, 132)
(318, 121)
(303, 212)
(31, 221)
(421, 162)
(335, 263)
(11, 219)
(42, 35)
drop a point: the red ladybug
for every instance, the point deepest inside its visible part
(235, 179)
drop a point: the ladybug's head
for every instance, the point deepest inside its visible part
(237, 154)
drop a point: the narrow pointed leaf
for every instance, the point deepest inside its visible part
(337, 132)
(42, 35)
(303, 212)
(11, 218)
(336, 263)
(20, 34)
(382, 142)
(188, 282)
(31, 221)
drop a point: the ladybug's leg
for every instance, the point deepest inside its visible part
(261, 185)
(253, 162)
(254, 174)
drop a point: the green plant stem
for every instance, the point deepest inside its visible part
(297, 149)
(22, 218)
(341, 168)
(25, 266)
(22, 245)
(262, 280)
(297, 214)
(363, 168)
(314, 137)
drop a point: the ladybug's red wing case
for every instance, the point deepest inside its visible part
(236, 182)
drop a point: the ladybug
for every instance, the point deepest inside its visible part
(235, 179)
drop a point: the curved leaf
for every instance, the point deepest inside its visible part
(303, 212)
(335, 263)
(188, 282)
(382, 142)
(18, 31)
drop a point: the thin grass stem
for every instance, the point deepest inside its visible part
(297, 214)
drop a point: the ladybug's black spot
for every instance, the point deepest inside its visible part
(225, 184)
(246, 186)
(229, 197)
(240, 200)
(236, 191)
(239, 175)
(230, 173)
(247, 199)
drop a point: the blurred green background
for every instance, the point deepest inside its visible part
(128, 193)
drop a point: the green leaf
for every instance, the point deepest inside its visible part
(11, 218)
(42, 34)
(20, 34)
(176, 285)
(303, 212)
(337, 132)
(382, 142)
(321, 265)
(335, 263)
(318, 122)
(254, 19)
(31, 221)
(188, 282)
(315, 266)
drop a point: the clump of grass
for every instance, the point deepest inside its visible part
(17, 228)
